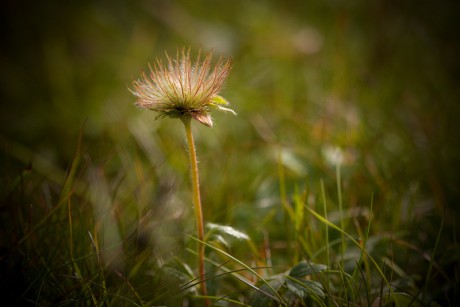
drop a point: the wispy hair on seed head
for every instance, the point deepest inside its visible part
(182, 87)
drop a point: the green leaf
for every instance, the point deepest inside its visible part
(228, 230)
(219, 100)
(296, 290)
(261, 298)
(302, 288)
(401, 299)
(306, 268)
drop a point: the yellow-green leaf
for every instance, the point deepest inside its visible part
(219, 100)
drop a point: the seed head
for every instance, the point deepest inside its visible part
(182, 88)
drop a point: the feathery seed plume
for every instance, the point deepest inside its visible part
(182, 88)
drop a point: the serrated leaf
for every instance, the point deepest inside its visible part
(265, 296)
(296, 290)
(302, 288)
(306, 268)
(228, 230)
(314, 287)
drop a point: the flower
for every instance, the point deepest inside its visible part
(182, 88)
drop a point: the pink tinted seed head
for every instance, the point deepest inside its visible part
(181, 88)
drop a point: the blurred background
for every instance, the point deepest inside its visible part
(372, 85)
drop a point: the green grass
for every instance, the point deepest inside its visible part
(95, 246)
(336, 184)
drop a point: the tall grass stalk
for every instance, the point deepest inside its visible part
(289, 214)
(323, 194)
(363, 238)
(430, 267)
(339, 195)
(325, 221)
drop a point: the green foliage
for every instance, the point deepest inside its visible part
(305, 269)
(219, 100)
(294, 286)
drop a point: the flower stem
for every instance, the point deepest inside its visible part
(196, 201)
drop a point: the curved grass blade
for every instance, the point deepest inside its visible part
(332, 225)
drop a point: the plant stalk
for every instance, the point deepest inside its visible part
(196, 202)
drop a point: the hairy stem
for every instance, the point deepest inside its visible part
(196, 201)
